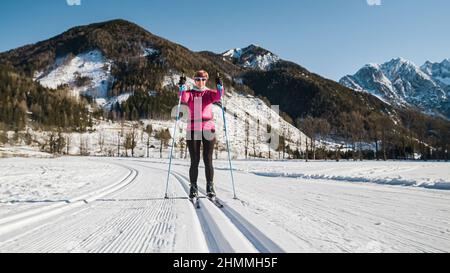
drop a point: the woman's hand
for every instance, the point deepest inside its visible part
(182, 80)
(219, 84)
(182, 84)
(219, 80)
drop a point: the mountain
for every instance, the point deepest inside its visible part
(131, 74)
(22, 99)
(402, 83)
(440, 72)
(253, 57)
(103, 60)
(301, 93)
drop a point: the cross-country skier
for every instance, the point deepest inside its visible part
(201, 128)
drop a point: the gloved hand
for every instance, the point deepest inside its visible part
(182, 84)
(219, 83)
(219, 80)
(182, 80)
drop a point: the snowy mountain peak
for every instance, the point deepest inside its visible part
(373, 65)
(402, 66)
(252, 56)
(401, 82)
(439, 71)
(446, 62)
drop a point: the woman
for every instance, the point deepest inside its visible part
(201, 128)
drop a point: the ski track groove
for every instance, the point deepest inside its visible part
(118, 223)
(253, 235)
(42, 244)
(138, 231)
(327, 216)
(48, 210)
(406, 234)
(138, 225)
(205, 228)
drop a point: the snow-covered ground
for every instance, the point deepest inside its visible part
(290, 206)
(31, 183)
(433, 175)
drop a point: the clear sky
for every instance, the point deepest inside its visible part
(329, 37)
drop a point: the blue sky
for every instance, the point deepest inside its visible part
(329, 37)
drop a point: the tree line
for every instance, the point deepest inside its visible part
(24, 102)
(429, 138)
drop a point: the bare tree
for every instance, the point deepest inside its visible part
(247, 134)
(163, 136)
(101, 141)
(148, 131)
(216, 150)
(322, 129)
(56, 142)
(282, 146)
(308, 127)
(386, 128)
(375, 130)
(83, 146)
(182, 146)
(119, 135)
(131, 140)
(68, 142)
(357, 131)
(269, 141)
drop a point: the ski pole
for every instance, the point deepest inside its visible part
(220, 89)
(182, 88)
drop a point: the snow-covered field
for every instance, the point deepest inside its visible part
(28, 184)
(117, 205)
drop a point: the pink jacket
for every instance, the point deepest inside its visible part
(201, 116)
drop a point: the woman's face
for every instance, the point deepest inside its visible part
(200, 82)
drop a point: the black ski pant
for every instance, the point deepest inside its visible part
(194, 142)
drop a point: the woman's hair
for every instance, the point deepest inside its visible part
(201, 74)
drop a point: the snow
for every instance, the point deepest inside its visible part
(245, 107)
(413, 174)
(95, 66)
(22, 151)
(150, 52)
(27, 183)
(92, 65)
(445, 81)
(103, 139)
(272, 214)
(263, 62)
(67, 69)
(256, 61)
(401, 82)
(108, 103)
(235, 53)
(438, 71)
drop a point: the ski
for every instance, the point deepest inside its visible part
(216, 202)
(195, 202)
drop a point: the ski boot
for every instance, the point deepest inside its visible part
(193, 192)
(211, 195)
(210, 192)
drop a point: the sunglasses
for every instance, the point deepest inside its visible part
(200, 79)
